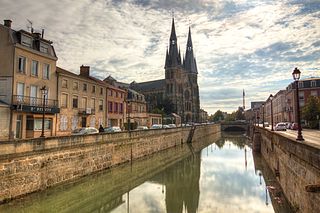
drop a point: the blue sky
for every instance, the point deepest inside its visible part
(239, 44)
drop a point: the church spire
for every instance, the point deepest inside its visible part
(190, 62)
(173, 54)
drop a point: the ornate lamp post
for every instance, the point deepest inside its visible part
(296, 76)
(44, 92)
(263, 116)
(271, 97)
(129, 116)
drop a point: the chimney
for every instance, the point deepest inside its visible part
(37, 35)
(42, 34)
(85, 71)
(7, 23)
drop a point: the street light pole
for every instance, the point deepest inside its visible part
(43, 89)
(263, 116)
(271, 97)
(296, 76)
(128, 116)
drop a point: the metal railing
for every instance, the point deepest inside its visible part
(32, 101)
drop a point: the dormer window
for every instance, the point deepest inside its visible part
(313, 83)
(300, 84)
(44, 48)
(26, 40)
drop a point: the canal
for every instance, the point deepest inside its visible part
(221, 175)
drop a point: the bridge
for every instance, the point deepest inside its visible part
(234, 126)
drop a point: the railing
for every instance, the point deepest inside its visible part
(87, 111)
(32, 101)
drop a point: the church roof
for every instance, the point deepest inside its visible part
(149, 85)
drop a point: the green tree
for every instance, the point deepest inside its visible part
(167, 106)
(217, 116)
(239, 114)
(311, 112)
(231, 117)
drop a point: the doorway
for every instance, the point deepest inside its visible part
(83, 121)
(19, 127)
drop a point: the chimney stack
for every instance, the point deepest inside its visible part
(85, 71)
(7, 23)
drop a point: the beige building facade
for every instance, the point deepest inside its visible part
(28, 82)
(81, 100)
(116, 106)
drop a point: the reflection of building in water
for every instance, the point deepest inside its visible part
(182, 184)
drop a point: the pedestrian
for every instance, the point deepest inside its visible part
(101, 128)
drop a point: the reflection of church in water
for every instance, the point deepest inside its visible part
(181, 183)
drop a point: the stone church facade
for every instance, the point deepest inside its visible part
(180, 86)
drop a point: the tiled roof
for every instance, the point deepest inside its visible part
(149, 85)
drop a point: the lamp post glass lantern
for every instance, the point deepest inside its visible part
(296, 76)
(44, 92)
(271, 98)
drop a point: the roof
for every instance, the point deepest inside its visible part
(66, 72)
(3, 103)
(149, 85)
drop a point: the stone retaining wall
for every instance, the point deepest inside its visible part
(296, 165)
(31, 165)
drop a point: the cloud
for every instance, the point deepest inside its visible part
(239, 44)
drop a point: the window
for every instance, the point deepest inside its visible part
(115, 107)
(22, 64)
(101, 91)
(46, 71)
(26, 41)
(121, 94)
(64, 83)
(33, 95)
(121, 108)
(109, 106)
(64, 100)
(84, 102)
(110, 92)
(314, 93)
(20, 89)
(313, 83)
(84, 87)
(38, 124)
(63, 122)
(75, 101)
(117, 94)
(93, 89)
(34, 68)
(44, 48)
(300, 84)
(301, 98)
(101, 105)
(93, 103)
(75, 86)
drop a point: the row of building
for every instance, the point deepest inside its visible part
(284, 102)
(30, 79)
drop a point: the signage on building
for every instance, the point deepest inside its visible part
(37, 109)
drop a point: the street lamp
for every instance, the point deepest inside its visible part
(296, 76)
(44, 92)
(263, 116)
(128, 116)
(271, 97)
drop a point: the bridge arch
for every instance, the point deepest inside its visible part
(234, 128)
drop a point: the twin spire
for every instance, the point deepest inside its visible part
(173, 55)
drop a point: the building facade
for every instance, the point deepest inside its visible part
(82, 100)
(136, 109)
(180, 85)
(28, 82)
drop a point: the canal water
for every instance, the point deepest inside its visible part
(221, 176)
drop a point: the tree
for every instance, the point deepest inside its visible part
(167, 106)
(217, 116)
(311, 111)
(239, 114)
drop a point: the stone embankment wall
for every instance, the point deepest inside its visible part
(31, 165)
(296, 165)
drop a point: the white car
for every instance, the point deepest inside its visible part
(281, 127)
(142, 127)
(156, 126)
(85, 131)
(112, 129)
(172, 126)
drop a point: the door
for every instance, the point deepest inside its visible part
(19, 127)
(84, 122)
(20, 92)
(33, 95)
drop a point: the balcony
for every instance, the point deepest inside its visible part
(87, 111)
(34, 105)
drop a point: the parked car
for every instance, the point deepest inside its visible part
(281, 127)
(142, 127)
(112, 129)
(85, 131)
(288, 125)
(156, 126)
(266, 124)
(294, 126)
(172, 126)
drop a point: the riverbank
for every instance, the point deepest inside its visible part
(31, 165)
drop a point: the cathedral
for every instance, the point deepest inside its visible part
(180, 86)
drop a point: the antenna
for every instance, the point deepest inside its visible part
(30, 25)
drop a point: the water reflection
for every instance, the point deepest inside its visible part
(222, 177)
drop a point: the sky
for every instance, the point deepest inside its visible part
(239, 44)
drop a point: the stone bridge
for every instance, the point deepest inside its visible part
(234, 126)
